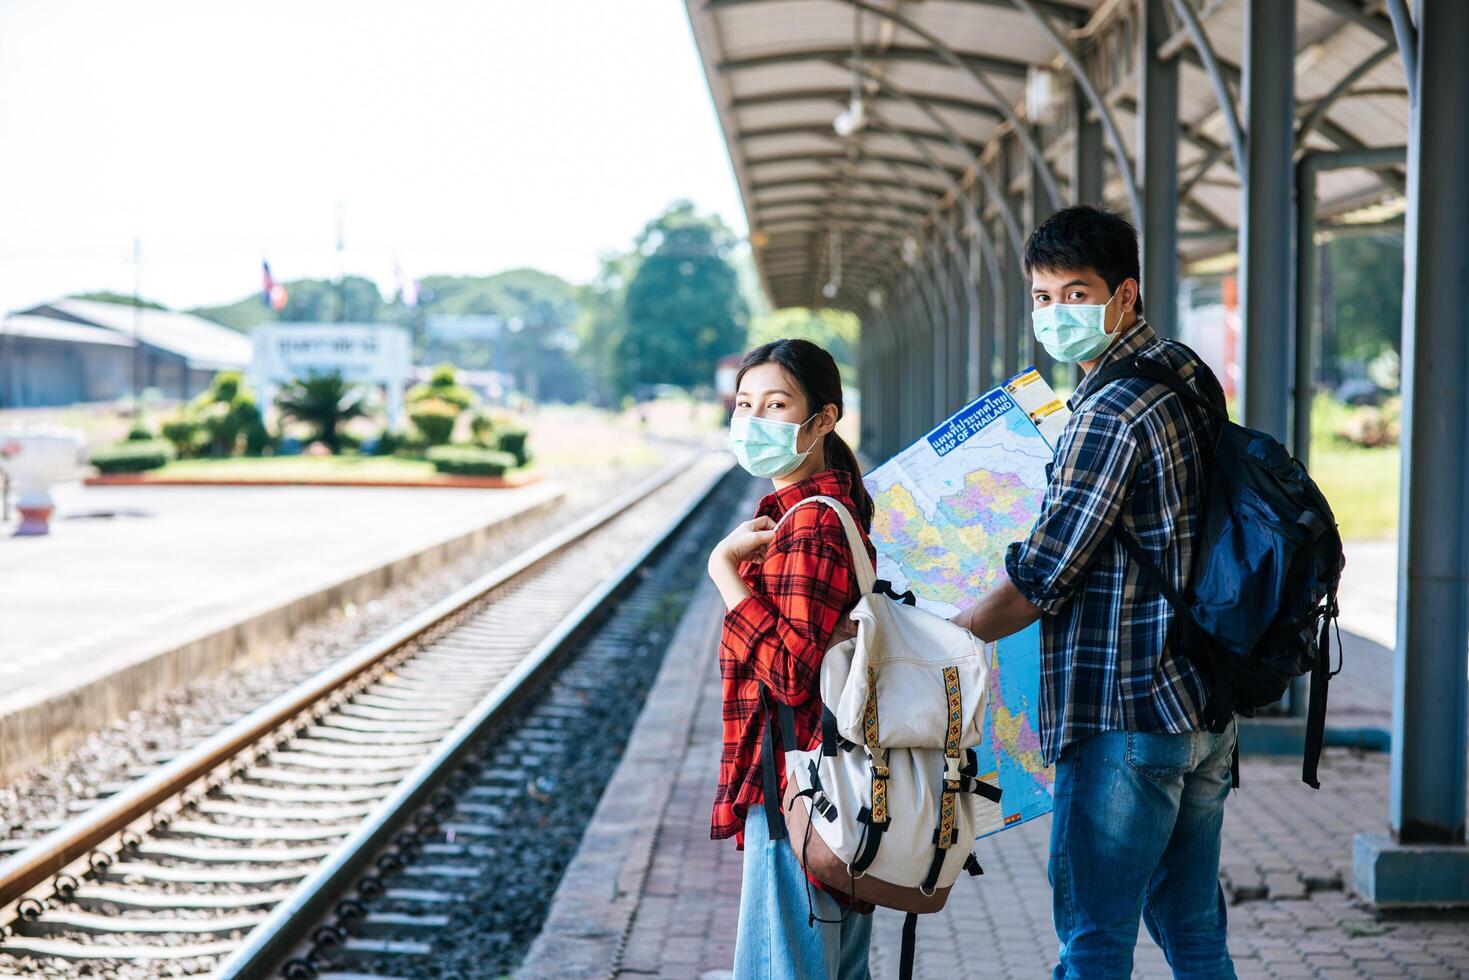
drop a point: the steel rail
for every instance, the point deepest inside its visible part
(291, 919)
(72, 842)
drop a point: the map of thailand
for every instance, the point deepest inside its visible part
(947, 508)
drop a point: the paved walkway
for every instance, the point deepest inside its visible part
(651, 896)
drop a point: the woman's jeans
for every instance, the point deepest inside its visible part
(774, 941)
(1136, 832)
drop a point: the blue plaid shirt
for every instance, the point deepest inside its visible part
(1128, 454)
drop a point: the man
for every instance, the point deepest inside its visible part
(1140, 782)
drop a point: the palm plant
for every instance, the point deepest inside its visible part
(325, 402)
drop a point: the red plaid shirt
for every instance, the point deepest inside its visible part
(778, 635)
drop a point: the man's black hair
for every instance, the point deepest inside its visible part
(1084, 237)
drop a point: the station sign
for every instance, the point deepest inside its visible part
(377, 354)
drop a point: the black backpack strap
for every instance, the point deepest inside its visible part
(1316, 710)
(775, 821)
(1159, 373)
(910, 939)
(1220, 707)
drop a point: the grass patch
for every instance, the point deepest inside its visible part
(305, 468)
(1361, 486)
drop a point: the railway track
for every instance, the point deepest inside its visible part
(411, 770)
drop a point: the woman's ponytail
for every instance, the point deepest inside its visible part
(839, 456)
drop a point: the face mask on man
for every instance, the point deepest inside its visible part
(766, 447)
(1072, 332)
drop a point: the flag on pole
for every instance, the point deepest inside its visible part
(408, 289)
(273, 294)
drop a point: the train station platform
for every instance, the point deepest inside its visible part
(139, 589)
(649, 895)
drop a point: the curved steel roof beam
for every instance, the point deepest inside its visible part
(819, 181)
(1406, 37)
(976, 225)
(1022, 132)
(992, 188)
(825, 131)
(840, 97)
(969, 62)
(841, 158)
(1222, 95)
(1076, 16)
(1099, 105)
(1323, 105)
(828, 200)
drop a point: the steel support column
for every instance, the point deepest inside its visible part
(982, 343)
(1425, 862)
(1265, 255)
(1158, 132)
(1014, 310)
(945, 326)
(1087, 174)
(1036, 212)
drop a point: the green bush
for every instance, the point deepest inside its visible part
(435, 419)
(184, 433)
(133, 456)
(514, 442)
(140, 433)
(470, 461)
(482, 429)
(444, 386)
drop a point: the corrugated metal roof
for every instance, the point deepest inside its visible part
(50, 328)
(202, 344)
(781, 70)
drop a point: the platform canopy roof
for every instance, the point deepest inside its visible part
(951, 86)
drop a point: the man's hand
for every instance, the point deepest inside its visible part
(1001, 612)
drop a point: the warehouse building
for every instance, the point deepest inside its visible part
(76, 350)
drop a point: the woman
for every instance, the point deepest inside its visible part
(787, 591)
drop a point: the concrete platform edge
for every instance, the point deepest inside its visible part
(600, 892)
(47, 722)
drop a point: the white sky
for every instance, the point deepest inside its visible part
(462, 136)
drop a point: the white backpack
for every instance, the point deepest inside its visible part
(886, 807)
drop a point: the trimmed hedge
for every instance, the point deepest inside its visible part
(434, 418)
(513, 441)
(470, 461)
(133, 457)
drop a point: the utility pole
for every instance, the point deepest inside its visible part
(137, 387)
(341, 270)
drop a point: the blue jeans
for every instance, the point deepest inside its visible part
(774, 941)
(1136, 832)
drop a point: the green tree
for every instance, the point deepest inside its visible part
(325, 402)
(1363, 276)
(834, 330)
(683, 307)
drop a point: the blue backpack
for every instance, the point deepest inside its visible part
(1260, 599)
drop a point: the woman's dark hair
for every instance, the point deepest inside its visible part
(1083, 237)
(816, 372)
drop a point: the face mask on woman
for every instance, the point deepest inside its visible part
(1072, 332)
(766, 447)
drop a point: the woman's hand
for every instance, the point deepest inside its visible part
(745, 543)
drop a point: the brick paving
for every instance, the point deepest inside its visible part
(1287, 857)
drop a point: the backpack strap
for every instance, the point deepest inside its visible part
(910, 939)
(1220, 707)
(861, 563)
(1160, 373)
(775, 821)
(1316, 706)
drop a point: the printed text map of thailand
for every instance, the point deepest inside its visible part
(947, 508)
